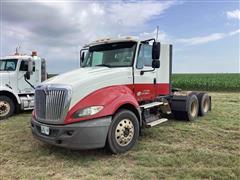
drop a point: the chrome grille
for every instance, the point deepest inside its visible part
(52, 103)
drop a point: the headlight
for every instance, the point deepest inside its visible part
(87, 111)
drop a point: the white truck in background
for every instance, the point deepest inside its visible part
(19, 74)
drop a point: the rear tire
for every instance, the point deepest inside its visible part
(204, 104)
(7, 107)
(192, 110)
(123, 132)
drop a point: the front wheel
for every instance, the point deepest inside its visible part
(123, 132)
(7, 107)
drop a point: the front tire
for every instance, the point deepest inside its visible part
(123, 132)
(7, 107)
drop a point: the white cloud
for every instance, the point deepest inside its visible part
(137, 12)
(67, 25)
(206, 39)
(235, 14)
(81, 21)
(162, 36)
(202, 39)
(234, 32)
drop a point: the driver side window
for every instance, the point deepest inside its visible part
(144, 56)
(24, 66)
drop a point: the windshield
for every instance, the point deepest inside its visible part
(110, 55)
(8, 64)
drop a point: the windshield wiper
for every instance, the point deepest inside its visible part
(105, 65)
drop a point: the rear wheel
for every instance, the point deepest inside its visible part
(191, 112)
(123, 132)
(7, 107)
(204, 104)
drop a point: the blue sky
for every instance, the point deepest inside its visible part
(205, 35)
(200, 19)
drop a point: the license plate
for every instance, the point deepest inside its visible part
(45, 130)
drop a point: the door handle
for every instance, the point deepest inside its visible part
(154, 81)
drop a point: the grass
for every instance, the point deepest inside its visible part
(207, 82)
(208, 148)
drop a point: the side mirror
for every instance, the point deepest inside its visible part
(156, 63)
(156, 50)
(30, 66)
(27, 75)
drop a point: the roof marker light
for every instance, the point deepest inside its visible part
(34, 53)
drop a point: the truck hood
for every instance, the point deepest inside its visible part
(87, 80)
(8, 78)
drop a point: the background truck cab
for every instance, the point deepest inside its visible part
(121, 87)
(18, 76)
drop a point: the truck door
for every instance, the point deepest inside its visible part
(144, 83)
(23, 86)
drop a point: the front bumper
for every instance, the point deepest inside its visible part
(89, 134)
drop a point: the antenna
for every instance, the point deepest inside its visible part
(157, 33)
(17, 52)
(17, 49)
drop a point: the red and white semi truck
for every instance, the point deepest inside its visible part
(123, 85)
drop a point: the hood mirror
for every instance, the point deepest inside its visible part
(82, 57)
(83, 53)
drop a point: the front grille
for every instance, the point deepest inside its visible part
(51, 103)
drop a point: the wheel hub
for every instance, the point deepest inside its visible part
(4, 108)
(205, 105)
(124, 132)
(194, 109)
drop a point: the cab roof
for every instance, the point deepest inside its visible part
(26, 57)
(109, 40)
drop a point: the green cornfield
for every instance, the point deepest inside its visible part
(207, 82)
(204, 82)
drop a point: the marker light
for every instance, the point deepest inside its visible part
(34, 53)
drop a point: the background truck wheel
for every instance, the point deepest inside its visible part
(191, 112)
(204, 104)
(7, 107)
(123, 132)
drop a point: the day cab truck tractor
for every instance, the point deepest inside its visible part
(119, 89)
(18, 76)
